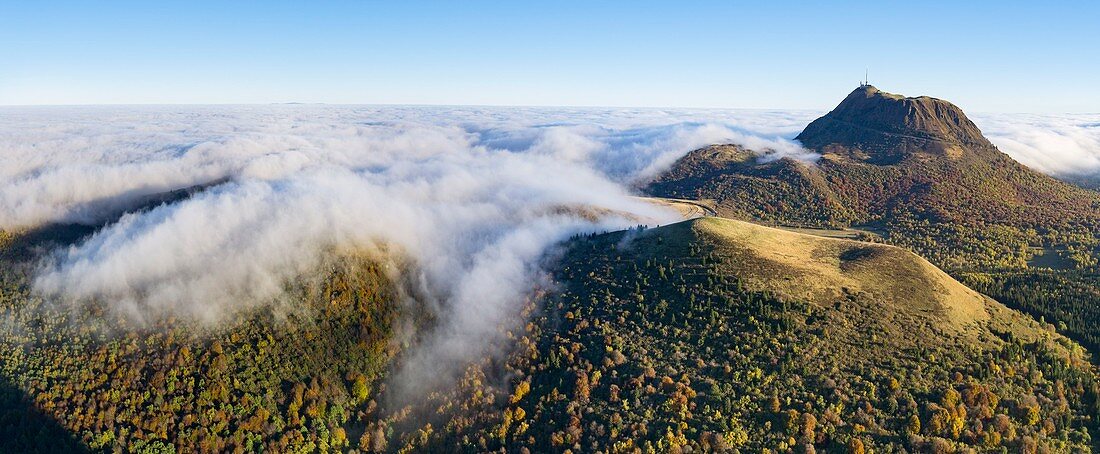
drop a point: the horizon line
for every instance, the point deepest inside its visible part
(505, 106)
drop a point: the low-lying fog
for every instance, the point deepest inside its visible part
(474, 195)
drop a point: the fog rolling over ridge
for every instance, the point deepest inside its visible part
(474, 196)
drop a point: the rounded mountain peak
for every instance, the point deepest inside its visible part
(876, 121)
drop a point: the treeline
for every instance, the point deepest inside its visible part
(1069, 301)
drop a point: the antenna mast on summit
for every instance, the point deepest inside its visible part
(866, 80)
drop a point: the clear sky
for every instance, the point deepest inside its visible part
(994, 56)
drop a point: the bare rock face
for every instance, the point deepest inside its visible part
(883, 128)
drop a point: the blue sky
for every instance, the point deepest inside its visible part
(985, 56)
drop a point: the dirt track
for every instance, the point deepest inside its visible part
(689, 209)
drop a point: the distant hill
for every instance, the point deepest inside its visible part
(1087, 182)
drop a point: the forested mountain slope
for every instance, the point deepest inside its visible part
(716, 334)
(917, 173)
(710, 334)
(294, 381)
(899, 164)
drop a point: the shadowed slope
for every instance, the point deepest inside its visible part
(26, 429)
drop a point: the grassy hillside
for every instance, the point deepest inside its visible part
(804, 267)
(714, 334)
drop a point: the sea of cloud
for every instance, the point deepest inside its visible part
(474, 196)
(1066, 146)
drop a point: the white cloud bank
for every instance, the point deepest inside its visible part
(77, 164)
(1066, 146)
(474, 195)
